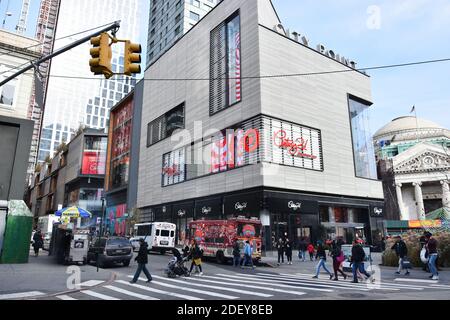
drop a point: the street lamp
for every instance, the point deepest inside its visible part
(103, 217)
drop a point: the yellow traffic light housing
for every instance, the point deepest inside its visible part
(132, 58)
(101, 55)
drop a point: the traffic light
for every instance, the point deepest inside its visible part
(101, 56)
(132, 58)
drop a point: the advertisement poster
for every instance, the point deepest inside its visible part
(93, 163)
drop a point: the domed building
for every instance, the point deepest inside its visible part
(413, 157)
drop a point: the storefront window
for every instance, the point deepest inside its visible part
(340, 215)
(94, 156)
(324, 214)
(173, 170)
(225, 64)
(363, 149)
(121, 145)
(8, 90)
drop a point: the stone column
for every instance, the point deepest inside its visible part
(446, 198)
(403, 214)
(419, 200)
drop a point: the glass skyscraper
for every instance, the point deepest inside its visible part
(72, 100)
(170, 19)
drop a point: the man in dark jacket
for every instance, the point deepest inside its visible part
(38, 242)
(236, 253)
(302, 247)
(432, 246)
(357, 262)
(142, 260)
(402, 252)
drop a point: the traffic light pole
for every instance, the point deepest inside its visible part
(115, 26)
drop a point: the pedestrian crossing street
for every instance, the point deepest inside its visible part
(234, 286)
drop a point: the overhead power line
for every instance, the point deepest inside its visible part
(381, 67)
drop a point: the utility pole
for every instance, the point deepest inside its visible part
(114, 27)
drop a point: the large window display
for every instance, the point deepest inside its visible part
(225, 65)
(260, 139)
(121, 145)
(94, 155)
(174, 164)
(363, 149)
(8, 90)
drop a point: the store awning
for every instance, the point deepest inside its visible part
(208, 208)
(244, 204)
(183, 210)
(292, 204)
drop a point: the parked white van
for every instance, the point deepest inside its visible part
(160, 236)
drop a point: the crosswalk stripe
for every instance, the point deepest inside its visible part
(416, 280)
(65, 297)
(204, 292)
(384, 284)
(263, 295)
(275, 284)
(22, 295)
(299, 293)
(130, 293)
(98, 295)
(440, 286)
(172, 294)
(91, 283)
(371, 286)
(304, 283)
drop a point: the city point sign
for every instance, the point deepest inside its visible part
(297, 37)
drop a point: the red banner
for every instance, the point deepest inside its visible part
(93, 163)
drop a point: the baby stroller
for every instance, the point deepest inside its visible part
(176, 266)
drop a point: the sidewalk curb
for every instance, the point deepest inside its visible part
(112, 278)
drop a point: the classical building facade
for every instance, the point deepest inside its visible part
(295, 153)
(417, 153)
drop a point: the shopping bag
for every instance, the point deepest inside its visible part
(406, 264)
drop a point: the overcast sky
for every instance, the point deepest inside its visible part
(407, 31)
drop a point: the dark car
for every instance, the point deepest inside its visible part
(111, 250)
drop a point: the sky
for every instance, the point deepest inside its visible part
(373, 33)
(14, 6)
(384, 32)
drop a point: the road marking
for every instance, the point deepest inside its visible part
(311, 283)
(91, 283)
(359, 286)
(417, 280)
(263, 295)
(65, 297)
(182, 296)
(337, 284)
(130, 293)
(299, 293)
(267, 282)
(208, 293)
(384, 285)
(21, 295)
(98, 295)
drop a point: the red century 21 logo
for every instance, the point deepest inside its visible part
(296, 148)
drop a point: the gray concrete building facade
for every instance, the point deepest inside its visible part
(294, 152)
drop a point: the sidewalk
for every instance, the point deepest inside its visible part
(42, 274)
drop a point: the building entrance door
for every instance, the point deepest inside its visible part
(279, 227)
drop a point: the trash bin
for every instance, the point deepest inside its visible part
(16, 241)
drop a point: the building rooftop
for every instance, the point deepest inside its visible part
(407, 124)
